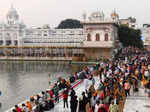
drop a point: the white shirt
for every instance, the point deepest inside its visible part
(103, 78)
(86, 83)
(96, 108)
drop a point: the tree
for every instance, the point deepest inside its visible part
(129, 36)
(70, 24)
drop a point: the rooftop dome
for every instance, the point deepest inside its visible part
(114, 14)
(97, 16)
(12, 13)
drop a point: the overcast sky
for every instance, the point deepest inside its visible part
(39, 12)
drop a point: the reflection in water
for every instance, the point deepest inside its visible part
(32, 66)
(19, 80)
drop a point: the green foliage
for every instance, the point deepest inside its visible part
(129, 36)
(70, 24)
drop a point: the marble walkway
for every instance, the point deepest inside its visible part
(138, 102)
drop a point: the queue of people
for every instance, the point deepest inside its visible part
(130, 69)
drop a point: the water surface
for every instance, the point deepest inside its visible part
(19, 80)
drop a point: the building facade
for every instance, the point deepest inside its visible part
(146, 35)
(98, 37)
(11, 32)
(130, 22)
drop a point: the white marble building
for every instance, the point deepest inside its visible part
(98, 32)
(15, 33)
(53, 37)
(101, 34)
(11, 32)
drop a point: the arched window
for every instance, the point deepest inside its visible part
(15, 42)
(89, 37)
(8, 42)
(97, 37)
(1, 42)
(106, 37)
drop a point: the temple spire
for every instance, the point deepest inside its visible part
(12, 6)
(12, 16)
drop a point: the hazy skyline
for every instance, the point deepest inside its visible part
(40, 12)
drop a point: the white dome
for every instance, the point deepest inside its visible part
(12, 13)
(97, 16)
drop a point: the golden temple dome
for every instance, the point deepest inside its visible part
(114, 14)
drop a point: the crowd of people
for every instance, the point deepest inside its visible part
(130, 69)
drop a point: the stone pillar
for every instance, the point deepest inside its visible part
(12, 42)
